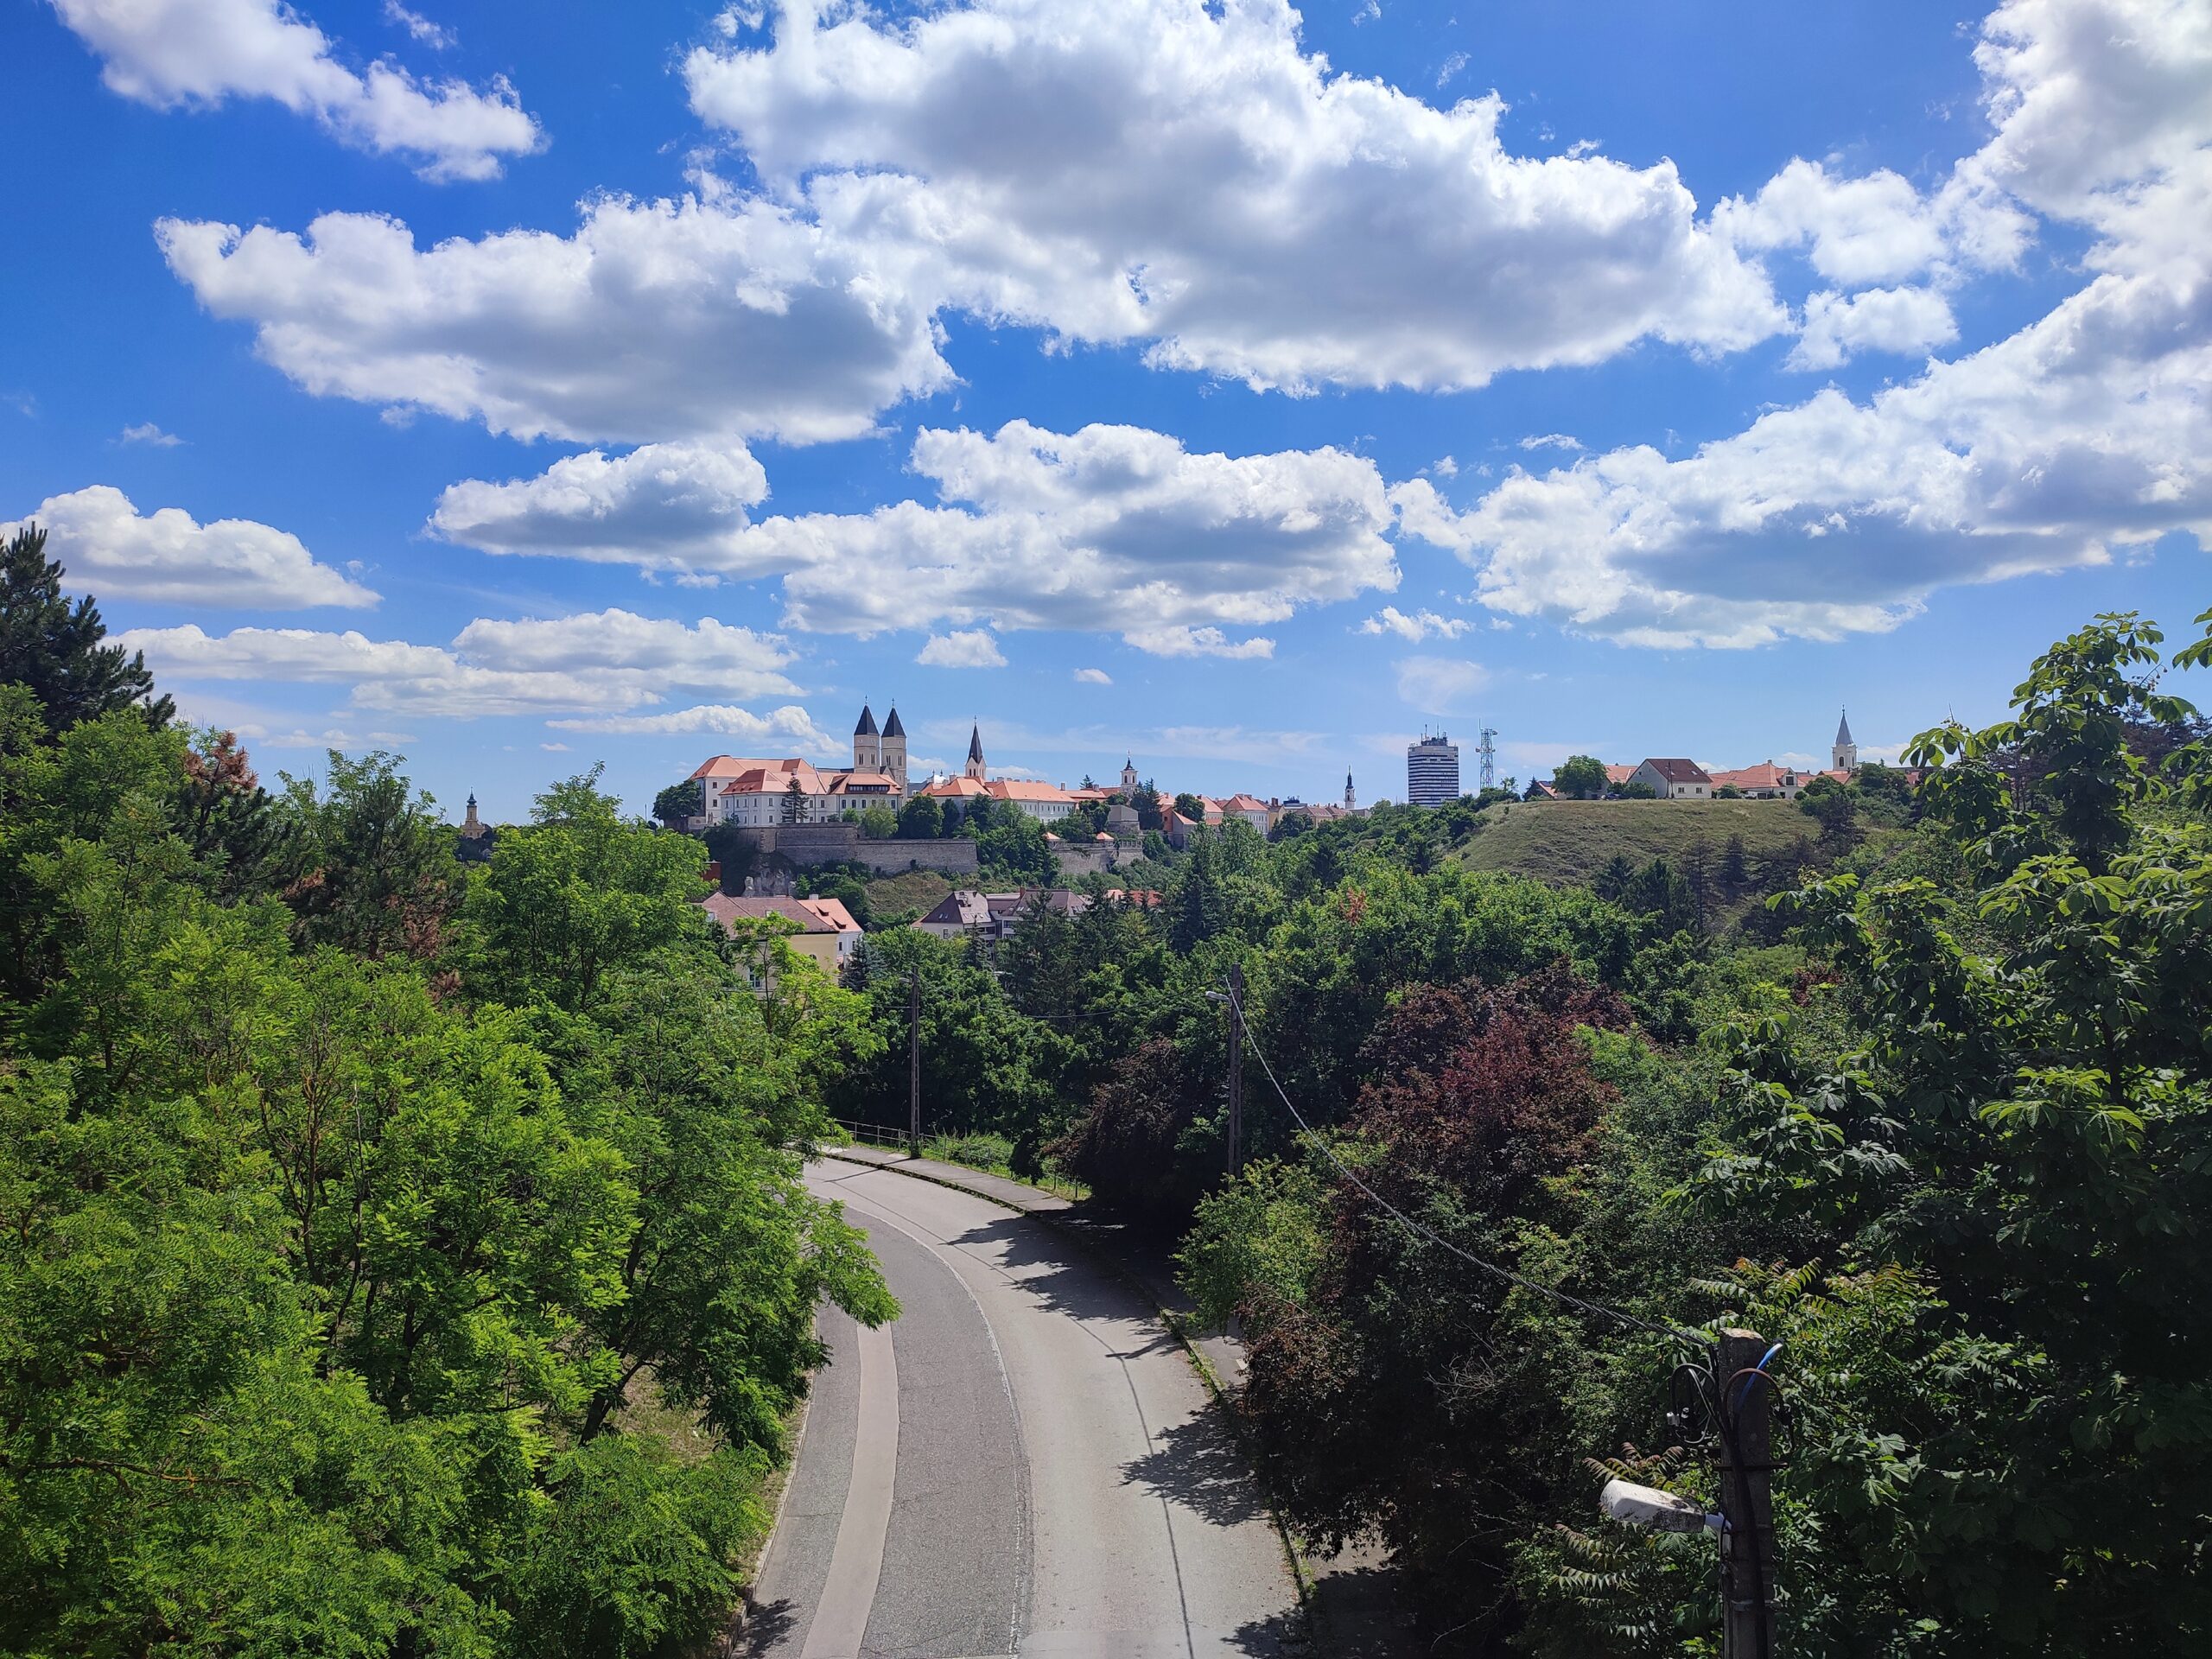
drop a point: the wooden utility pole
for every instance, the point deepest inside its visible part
(1235, 1068)
(1747, 1552)
(914, 1064)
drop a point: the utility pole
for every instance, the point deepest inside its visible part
(1747, 1552)
(1235, 1068)
(914, 1064)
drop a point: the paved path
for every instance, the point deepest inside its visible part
(1024, 1463)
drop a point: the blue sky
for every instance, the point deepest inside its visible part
(1241, 388)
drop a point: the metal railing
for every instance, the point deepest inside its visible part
(872, 1135)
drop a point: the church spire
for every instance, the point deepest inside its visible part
(976, 753)
(1845, 754)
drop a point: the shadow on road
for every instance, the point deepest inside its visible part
(1199, 1465)
(768, 1628)
(1058, 1272)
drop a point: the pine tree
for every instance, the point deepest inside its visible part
(54, 648)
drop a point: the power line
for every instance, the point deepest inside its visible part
(1421, 1231)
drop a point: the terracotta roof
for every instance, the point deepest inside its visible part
(1679, 771)
(730, 774)
(1020, 789)
(956, 788)
(812, 915)
(847, 783)
(1765, 775)
(1620, 774)
(1244, 804)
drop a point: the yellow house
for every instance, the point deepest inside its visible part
(826, 930)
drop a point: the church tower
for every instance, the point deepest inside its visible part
(1352, 801)
(1845, 753)
(975, 753)
(894, 750)
(867, 745)
(1129, 774)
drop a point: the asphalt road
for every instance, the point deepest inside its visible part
(1025, 1463)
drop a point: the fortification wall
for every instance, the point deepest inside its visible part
(808, 844)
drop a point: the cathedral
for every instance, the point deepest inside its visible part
(883, 752)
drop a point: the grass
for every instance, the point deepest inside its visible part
(994, 1155)
(1572, 841)
(889, 895)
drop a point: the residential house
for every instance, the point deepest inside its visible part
(1675, 781)
(1764, 782)
(993, 915)
(825, 932)
(1252, 810)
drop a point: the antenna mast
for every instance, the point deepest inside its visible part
(1487, 776)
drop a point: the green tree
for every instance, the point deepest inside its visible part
(794, 810)
(879, 821)
(234, 829)
(2018, 1120)
(1015, 844)
(1580, 775)
(1146, 799)
(576, 894)
(1835, 809)
(376, 871)
(54, 647)
(922, 818)
(1190, 806)
(678, 803)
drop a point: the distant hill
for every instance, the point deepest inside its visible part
(1572, 841)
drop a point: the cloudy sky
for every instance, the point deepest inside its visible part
(1242, 387)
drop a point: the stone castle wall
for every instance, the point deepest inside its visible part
(808, 844)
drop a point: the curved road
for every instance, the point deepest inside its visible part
(1025, 1463)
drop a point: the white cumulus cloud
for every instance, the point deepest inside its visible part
(662, 505)
(1093, 677)
(1109, 528)
(1189, 177)
(1901, 321)
(655, 321)
(107, 545)
(780, 729)
(604, 661)
(1420, 626)
(969, 648)
(147, 433)
(197, 53)
(2085, 431)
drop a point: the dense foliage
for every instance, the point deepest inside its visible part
(1935, 1119)
(392, 1258)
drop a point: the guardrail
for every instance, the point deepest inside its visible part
(872, 1135)
(886, 1134)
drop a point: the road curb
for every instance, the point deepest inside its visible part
(1170, 1318)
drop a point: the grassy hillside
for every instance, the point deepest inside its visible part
(909, 890)
(1572, 841)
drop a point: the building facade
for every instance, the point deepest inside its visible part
(1845, 751)
(1432, 772)
(1676, 779)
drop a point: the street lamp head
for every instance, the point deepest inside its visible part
(1647, 1506)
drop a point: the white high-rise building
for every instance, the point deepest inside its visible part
(1432, 772)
